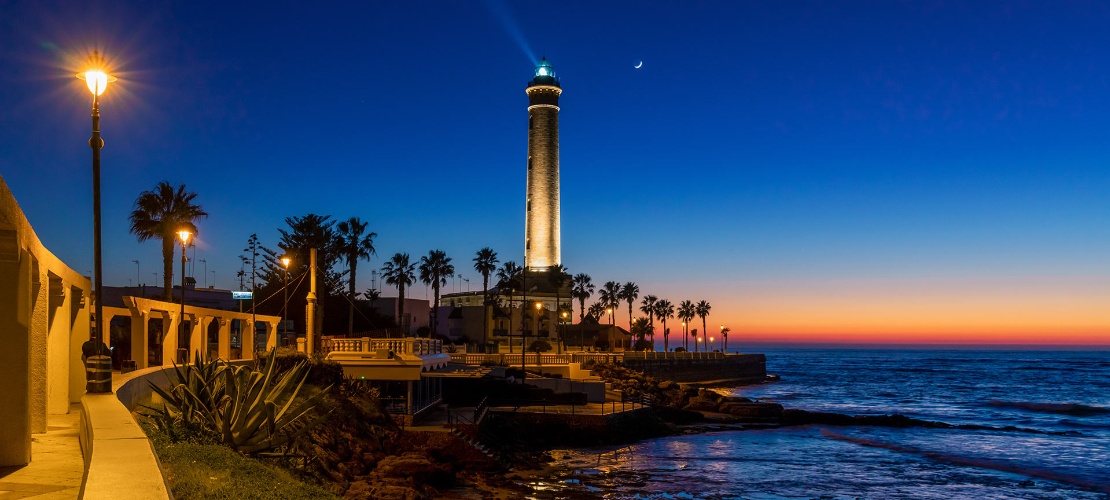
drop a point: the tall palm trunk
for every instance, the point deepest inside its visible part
(167, 268)
(351, 298)
(705, 333)
(485, 311)
(666, 337)
(435, 309)
(401, 309)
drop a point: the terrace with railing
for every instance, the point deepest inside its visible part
(399, 347)
(511, 359)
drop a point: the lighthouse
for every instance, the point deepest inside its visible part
(541, 225)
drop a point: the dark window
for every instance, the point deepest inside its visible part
(529, 122)
(529, 163)
(529, 206)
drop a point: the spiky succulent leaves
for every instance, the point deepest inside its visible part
(252, 420)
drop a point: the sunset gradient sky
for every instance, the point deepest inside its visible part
(863, 172)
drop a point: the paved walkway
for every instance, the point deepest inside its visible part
(56, 464)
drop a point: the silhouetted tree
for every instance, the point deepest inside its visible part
(434, 270)
(353, 243)
(161, 213)
(582, 289)
(399, 272)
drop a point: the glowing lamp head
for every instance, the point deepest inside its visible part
(539, 306)
(95, 77)
(285, 262)
(544, 69)
(184, 234)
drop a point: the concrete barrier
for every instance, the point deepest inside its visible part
(119, 459)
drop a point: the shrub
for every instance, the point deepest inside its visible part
(539, 346)
(250, 410)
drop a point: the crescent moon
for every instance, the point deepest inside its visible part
(638, 66)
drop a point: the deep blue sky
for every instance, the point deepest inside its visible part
(764, 149)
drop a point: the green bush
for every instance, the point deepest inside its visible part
(322, 372)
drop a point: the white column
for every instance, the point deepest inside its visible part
(140, 343)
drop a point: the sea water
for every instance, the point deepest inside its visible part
(1049, 413)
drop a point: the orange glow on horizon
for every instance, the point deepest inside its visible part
(1035, 311)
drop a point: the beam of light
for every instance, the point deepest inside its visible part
(500, 11)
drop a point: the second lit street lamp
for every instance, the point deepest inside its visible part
(285, 293)
(183, 352)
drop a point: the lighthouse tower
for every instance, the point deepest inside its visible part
(541, 226)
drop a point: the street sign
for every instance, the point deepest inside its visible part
(242, 295)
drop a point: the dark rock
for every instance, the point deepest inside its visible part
(417, 467)
(759, 411)
(700, 404)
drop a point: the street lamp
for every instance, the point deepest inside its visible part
(609, 311)
(562, 330)
(182, 352)
(707, 344)
(97, 80)
(686, 338)
(285, 292)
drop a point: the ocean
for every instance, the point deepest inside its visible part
(1049, 413)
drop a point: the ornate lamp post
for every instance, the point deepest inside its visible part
(609, 311)
(707, 344)
(285, 292)
(97, 80)
(182, 352)
(562, 329)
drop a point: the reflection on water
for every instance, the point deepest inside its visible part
(987, 388)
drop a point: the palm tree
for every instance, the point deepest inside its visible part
(611, 295)
(508, 281)
(161, 213)
(685, 314)
(702, 310)
(434, 270)
(485, 262)
(354, 244)
(581, 289)
(398, 272)
(664, 310)
(596, 310)
(724, 333)
(647, 306)
(640, 329)
(630, 292)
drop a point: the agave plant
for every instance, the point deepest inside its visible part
(260, 411)
(194, 390)
(250, 410)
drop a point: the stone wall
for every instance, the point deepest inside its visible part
(739, 367)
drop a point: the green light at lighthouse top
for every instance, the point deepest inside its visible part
(545, 74)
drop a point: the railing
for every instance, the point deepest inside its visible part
(410, 345)
(514, 359)
(672, 355)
